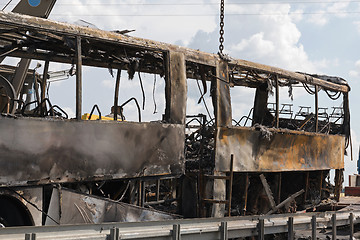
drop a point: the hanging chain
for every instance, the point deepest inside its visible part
(222, 16)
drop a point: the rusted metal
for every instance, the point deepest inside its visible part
(285, 150)
(231, 177)
(352, 191)
(306, 185)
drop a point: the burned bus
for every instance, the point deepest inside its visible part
(55, 169)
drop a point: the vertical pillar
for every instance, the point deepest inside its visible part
(351, 220)
(176, 235)
(116, 95)
(224, 231)
(338, 183)
(43, 86)
(261, 229)
(175, 88)
(333, 219)
(316, 108)
(291, 228)
(78, 78)
(223, 118)
(313, 227)
(277, 101)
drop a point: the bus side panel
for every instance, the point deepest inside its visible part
(277, 150)
(46, 151)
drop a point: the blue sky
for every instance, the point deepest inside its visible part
(314, 36)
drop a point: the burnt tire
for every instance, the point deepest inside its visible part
(13, 212)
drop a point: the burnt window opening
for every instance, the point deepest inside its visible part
(282, 102)
(200, 118)
(145, 66)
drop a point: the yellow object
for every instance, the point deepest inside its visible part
(96, 117)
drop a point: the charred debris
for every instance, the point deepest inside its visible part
(274, 159)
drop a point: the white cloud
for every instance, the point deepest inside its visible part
(131, 14)
(355, 72)
(257, 42)
(319, 18)
(276, 42)
(338, 8)
(297, 15)
(321, 14)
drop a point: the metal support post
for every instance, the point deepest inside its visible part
(261, 229)
(333, 219)
(279, 189)
(43, 87)
(116, 97)
(321, 183)
(230, 183)
(176, 232)
(351, 220)
(313, 227)
(157, 189)
(277, 101)
(306, 185)
(316, 108)
(30, 236)
(224, 231)
(114, 234)
(246, 193)
(78, 78)
(291, 228)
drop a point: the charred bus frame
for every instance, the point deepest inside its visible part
(250, 159)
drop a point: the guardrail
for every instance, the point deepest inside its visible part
(208, 228)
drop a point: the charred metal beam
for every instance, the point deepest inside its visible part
(43, 86)
(289, 75)
(277, 92)
(20, 75)
(289, 199)
(116, 96)
(78, 78)
(268, 192)
(221, 98)
(175, 88)
(316, 108)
